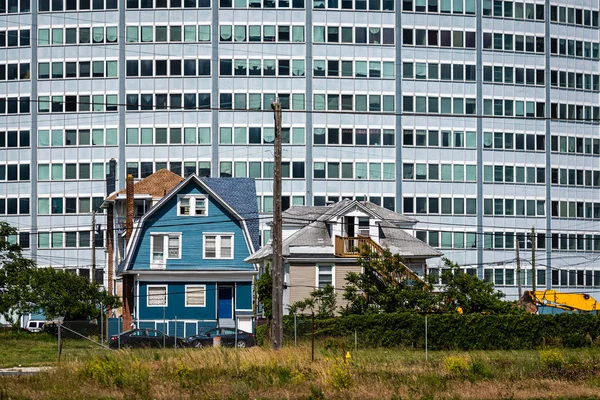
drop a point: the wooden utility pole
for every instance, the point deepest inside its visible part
(277, 269)
(519, 269)
(533, 258)
(93, 246)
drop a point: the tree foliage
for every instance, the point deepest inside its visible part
(386, 285)
(264, 291)
(321, 301)
(25, 288)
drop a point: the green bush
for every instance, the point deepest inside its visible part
(261, 334)
(551, 360)
(453, 331)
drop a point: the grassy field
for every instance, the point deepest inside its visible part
(260, 373)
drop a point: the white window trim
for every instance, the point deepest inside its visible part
(165, 236)
(166, 287)
(192, 199)
(317, 274)
(192, 287)
(218, 236)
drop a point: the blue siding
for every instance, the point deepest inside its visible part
(177, 329)
(146, 325)
(218, 220)
(176, 303)
(243, 296)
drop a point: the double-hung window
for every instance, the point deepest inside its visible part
(218, 245)
(324, 275)
(193, 205)
(157, 296)
(164, 246)
(195, 295)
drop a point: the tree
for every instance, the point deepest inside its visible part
(264, 290)
(470, 293)
(65, 294)
(25, 288)
(16, 296)
(386, 285)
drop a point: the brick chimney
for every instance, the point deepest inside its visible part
(129, 204)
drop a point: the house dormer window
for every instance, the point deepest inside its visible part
(219, 245)
(192, 205)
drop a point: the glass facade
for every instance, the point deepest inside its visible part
(480, 118)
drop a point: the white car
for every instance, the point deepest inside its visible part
(35, 326)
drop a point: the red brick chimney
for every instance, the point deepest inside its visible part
(128, 300)
(129, 204)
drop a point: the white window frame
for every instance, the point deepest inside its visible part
(192, 287)
(165, 237)
(218, 236)
(148, 287)
(317, 274)
(193, 199)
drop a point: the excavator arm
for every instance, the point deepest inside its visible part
(578, 302)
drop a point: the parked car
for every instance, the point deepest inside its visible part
(140, 338)
(35, 326)
(228, 339)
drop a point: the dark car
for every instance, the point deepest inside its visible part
(228, 338)
(140, 338)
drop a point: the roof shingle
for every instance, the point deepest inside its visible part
(157, 185)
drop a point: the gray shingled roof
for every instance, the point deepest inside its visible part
(240, 194)
(316, 234)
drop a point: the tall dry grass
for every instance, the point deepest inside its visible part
(261, 373)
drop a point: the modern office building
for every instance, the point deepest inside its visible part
(478, 117)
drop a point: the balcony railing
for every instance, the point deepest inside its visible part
(351, 247)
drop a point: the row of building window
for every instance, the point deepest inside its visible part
(252, 169)
(262, 33)
(14, 206)
(575, 209)
(571, 144)
(574, 112)
(354, 69)
(14, 72)
(468, 7)
(78, 137)
(516, 207)
(348, 102)
(439, 105)
(577, 48)
(574, 16)
(434, 138)
(259, 135)
(170, 33)
(150, 68)
(76, 5)
(574, 80)
(354, 170)
(68, 205)
(468, 240)
(74, 103)
(574, 177)
(78, 69)
(163, 101)
(13, 139)
(512, 141)
(434, 205)
(15, 38)
(513, 75)
(149, 4)
(438, 38)
(353, 35)
(14, 6)
(71, 171)
(512, 42)
(69, 239)
(560, 277)
(436, 172)
(514, 108)
(252, 101)
(78, 35)
(517, 10)
(354, 137)
(513, 174)
(444, 71)
(14, 172)
(144, 169)
(258, 67)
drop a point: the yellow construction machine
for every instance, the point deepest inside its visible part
(553, 302)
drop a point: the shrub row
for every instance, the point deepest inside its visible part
(455, 332)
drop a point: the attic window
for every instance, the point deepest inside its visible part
(192, 206)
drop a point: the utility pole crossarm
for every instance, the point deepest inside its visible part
(277, 267)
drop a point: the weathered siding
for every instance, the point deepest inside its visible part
(340, 282)
(302, 282)
(218, 220)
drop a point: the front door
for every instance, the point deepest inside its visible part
(225, 302)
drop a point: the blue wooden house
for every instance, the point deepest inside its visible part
(185, 259)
